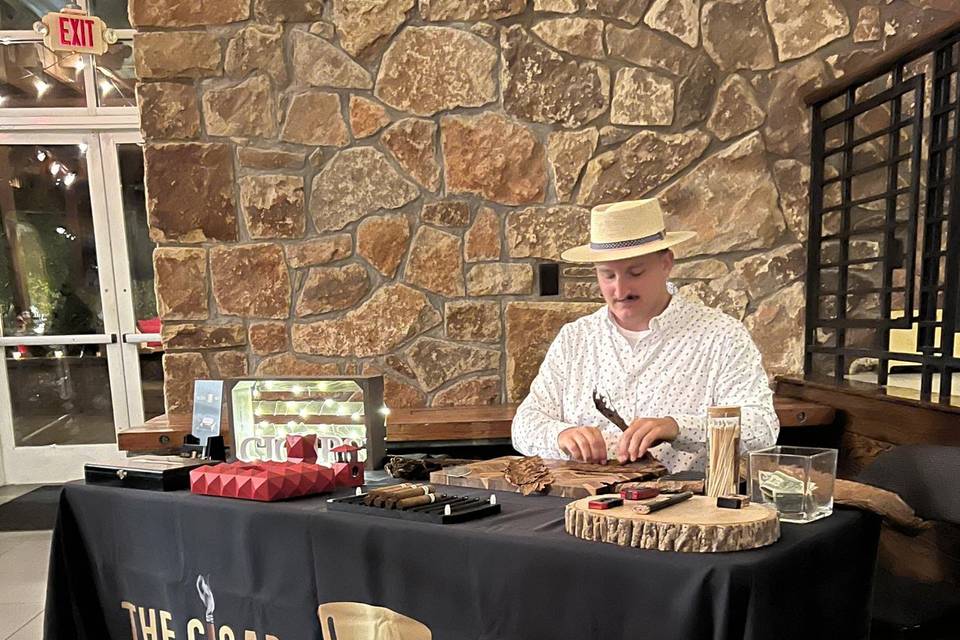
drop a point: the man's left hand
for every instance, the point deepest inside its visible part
(643, 434)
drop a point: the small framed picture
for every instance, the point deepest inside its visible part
(207, 405)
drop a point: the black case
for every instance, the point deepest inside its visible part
(153, 473)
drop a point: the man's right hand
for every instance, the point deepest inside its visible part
(584, 443)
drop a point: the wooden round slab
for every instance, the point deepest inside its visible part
(695, 525)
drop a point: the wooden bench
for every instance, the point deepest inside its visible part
(450, 425)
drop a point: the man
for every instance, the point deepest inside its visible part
(660, 359)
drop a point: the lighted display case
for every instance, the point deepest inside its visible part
(340, 410)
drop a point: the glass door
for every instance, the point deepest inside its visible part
(132, 251)
(63, 383)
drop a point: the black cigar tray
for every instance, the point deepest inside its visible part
(463, 508)
(154, 473)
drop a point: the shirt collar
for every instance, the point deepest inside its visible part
(664, 319)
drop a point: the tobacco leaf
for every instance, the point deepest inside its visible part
(529, 474)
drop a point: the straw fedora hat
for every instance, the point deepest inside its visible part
(625, 230)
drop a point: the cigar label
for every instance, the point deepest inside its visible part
(661, 503)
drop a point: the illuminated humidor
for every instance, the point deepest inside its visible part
(339, 410)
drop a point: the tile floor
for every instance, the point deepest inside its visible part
(23, 576)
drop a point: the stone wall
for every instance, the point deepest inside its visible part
(369, 185)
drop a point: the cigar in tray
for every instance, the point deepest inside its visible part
(661, 503)
(382, 492)
(384, 498)
(391, 500)
(415, 501)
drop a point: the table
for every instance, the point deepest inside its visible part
(124, 559)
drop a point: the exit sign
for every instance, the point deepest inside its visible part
(74, 31)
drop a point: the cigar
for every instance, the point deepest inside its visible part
(416, 501)
(391, 500)
(392, 488)
(384, 498)
(373, 494)
(662, 503)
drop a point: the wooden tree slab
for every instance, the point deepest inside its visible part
(695, 525)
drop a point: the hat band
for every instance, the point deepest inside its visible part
(623, 244)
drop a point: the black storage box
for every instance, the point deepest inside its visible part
(154, 473)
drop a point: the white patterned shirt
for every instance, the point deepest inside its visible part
(693, 358)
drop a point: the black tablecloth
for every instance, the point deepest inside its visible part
(119, 554)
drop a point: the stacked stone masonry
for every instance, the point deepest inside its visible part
(346, 186)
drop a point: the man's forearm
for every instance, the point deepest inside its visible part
(535, 434)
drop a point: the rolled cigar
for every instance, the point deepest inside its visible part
(392, 488)
(379, 492)
(416, 501)
(381, 499)
(390, 500)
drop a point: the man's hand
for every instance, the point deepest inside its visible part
(643, 434)
(584, 443)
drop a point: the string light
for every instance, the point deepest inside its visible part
(69, 179)
(41, 155)
(55, 167)
(3, 99)
(83, 149)
(63, 232)
(297, 389)
(106, 87)
(41, 86)
(356, 416)
(58, 353)
(385, 410)
(17, 355)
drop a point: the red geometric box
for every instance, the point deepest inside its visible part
(264, 481)
(302, 448)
